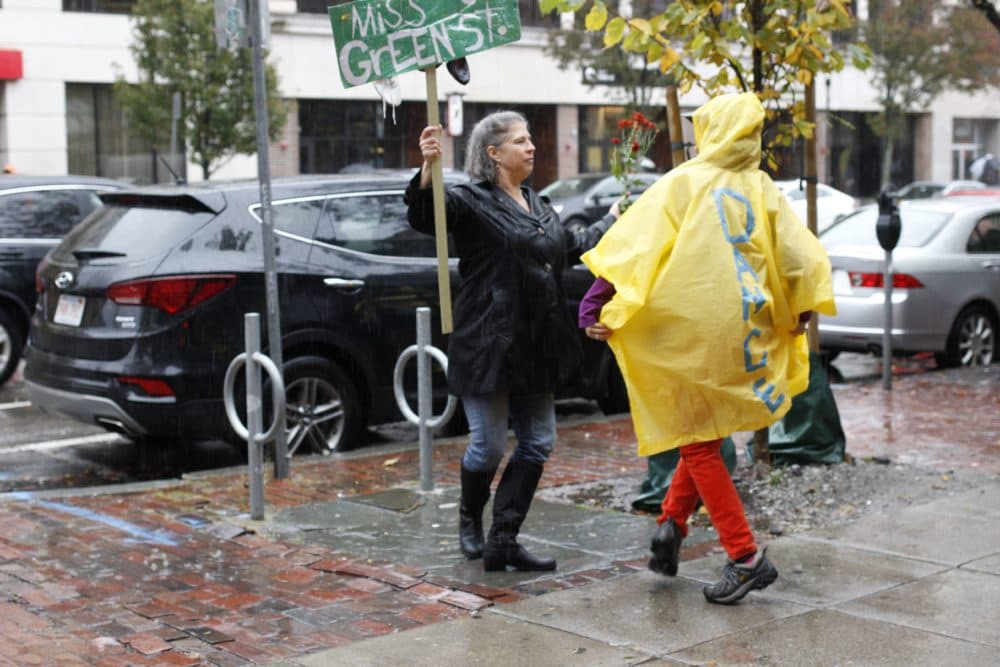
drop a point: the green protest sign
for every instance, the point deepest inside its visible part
(376, 39)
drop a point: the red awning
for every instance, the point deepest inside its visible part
(11, 67)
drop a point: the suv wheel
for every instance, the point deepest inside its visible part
(11, 345)
(972, 341)
(322, 408)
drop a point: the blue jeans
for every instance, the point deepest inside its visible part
(533, 417)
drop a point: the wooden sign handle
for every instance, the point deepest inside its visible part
(440, 227)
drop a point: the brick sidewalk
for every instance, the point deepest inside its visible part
(170, 576)
(167, 577)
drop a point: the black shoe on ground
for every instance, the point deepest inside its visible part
(738, 579)
(496, 558)
(666, 548)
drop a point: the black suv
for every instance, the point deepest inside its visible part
(35, 213)
(142, 307)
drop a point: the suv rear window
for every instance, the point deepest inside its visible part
(135, 232)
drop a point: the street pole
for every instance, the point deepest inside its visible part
(175, 116)
(267, 224)
(829, 135)
(811, 178)
(887, 324)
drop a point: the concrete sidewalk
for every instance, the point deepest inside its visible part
(916, 588)
(354, 566)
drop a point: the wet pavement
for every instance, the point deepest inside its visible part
(353, 566)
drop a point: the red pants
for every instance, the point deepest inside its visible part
(702, 473)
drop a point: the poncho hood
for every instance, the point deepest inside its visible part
(727, 131)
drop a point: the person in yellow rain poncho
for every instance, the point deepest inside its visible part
(713, 277)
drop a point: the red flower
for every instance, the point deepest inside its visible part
(615, 140)
(635, 146)
(624, 124)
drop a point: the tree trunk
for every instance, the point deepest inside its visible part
(757, 21)
(987, 8)
(886, 177)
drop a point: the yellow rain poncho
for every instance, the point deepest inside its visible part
(711, 269)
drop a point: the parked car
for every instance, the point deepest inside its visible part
(946, 281)
(584, 199)
(141, 308)
(35, 213)
(990, 191)
(925, 189)
(831, 204)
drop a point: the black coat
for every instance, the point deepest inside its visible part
(513, 331)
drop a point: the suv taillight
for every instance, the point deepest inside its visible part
(39, 283)
(172, 294)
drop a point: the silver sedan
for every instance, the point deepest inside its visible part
(946, 281)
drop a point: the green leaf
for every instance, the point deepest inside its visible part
(614, 32)
(597, 17)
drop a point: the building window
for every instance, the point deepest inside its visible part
(315, 6)
(98, 139)
(99, 6)
(970, 139)
(531, 14)
(340, 136)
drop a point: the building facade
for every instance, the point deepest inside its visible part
(59, 59)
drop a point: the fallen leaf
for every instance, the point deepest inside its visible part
(390, 462)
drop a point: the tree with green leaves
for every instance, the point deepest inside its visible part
(175, 51)
(634, 83)
(772, 47)
(920, 50)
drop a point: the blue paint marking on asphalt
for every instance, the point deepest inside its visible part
(157, 537)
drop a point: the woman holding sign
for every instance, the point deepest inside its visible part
(514, 342)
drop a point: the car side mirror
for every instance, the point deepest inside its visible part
(888, 226)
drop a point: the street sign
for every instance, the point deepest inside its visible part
(232, 27)
(376, 39)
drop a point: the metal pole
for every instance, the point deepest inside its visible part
(174, 118)
(424, 406)
(829, 136)
(255, 418)
(887, 325)
(267, 225)
(812, 174)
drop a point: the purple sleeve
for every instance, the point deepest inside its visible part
(595, 298)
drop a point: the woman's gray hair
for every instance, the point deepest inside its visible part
(490, 131)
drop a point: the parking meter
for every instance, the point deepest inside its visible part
(887, 229)
(888, 226)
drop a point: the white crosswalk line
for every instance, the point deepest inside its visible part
(60, 444)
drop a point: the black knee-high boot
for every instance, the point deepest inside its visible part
(510, 507)
(475, 493)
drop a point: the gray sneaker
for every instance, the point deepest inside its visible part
(738, 579)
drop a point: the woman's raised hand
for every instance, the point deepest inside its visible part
(430, 149)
